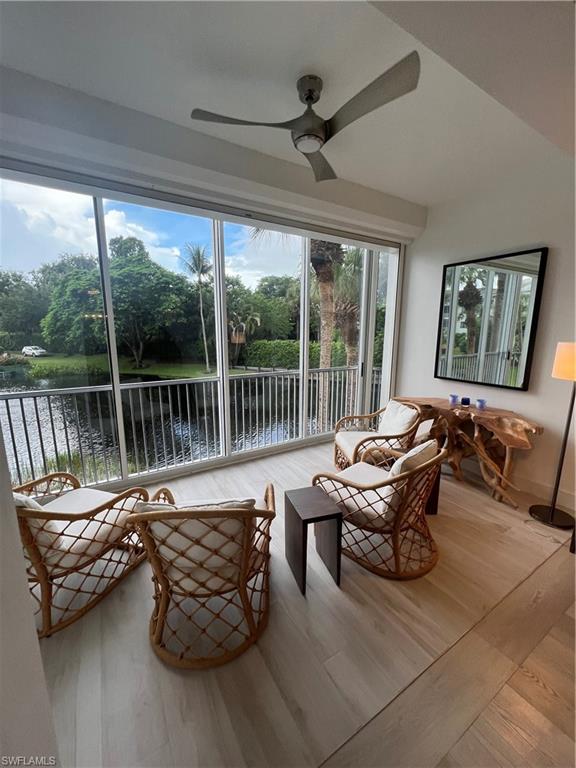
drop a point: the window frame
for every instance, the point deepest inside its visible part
(100, 189)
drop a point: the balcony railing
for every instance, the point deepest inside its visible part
(497, 367)
(167, 423)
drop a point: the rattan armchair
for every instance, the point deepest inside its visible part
(77, 545)
(354, 435)
(211, 565)
(384, 526)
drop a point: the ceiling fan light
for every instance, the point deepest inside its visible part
(308, 143)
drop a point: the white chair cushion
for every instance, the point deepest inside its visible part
(22, 500)
(79, 500)
(348, 440)
(197, 555)
(201, 555)
(363, 474)
(80, 540)
(367, 509)
(45, 532)
(397, 418)
(375, 510)
(194, 505)
(416, 456)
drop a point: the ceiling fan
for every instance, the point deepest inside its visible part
(310, 132)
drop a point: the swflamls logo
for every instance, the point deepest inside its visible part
(27, 760)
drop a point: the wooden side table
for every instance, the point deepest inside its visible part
(303, 506)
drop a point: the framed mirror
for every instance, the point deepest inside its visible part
(488, 319)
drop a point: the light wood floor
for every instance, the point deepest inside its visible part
(468, 666)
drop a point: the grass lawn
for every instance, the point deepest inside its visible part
(78, 364)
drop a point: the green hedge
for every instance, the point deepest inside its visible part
(285, 353)
(48, 369)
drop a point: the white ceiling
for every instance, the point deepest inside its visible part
(523, 56)
(445, 140)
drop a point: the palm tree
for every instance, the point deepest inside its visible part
(348, 275)
(469, 298)
(197, 264)
(240, 329)
(325, 258)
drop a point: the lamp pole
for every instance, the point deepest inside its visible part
(548, 514)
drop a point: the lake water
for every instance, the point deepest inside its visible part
(166, 425)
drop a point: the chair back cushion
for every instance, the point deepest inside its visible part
(415, 457)
(45, 532)
(202, 553)
(397, 418)
(71, 543)
(376, 509)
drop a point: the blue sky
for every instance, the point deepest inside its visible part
(38, 224)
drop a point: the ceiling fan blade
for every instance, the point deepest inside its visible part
(323, 171)
(395, 82)
(212, 117)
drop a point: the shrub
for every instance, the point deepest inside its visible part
(53, 369)
(285, 353)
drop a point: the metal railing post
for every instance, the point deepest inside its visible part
(304, 336)
(110, 332)
(221, 336)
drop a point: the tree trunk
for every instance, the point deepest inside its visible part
(327, 324)
(203, 326)
(471, 324)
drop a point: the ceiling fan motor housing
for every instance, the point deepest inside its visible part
(309, 89)
(309, 135)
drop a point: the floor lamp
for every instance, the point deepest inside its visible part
(564, 368)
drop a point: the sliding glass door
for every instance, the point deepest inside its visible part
(263, 269)
(139, 336)
(336, 278)
(160, 266)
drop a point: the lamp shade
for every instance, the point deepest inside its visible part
(565, 361)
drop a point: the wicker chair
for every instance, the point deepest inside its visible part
(384, 526)
(210, 567)
(76, 543)
(354, 435)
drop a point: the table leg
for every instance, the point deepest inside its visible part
(329, 545)
(432, 503)
(295, 544)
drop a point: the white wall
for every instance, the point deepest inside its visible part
(26, 727)
(535, 208)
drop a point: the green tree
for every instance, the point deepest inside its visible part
(147, 297)
(74, 323)
(22, 308)
(284, 293)
(199, 267)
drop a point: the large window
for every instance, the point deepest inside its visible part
(336, 273)
(53, 337)
(138, 337)
(162, 284)
(263, 286)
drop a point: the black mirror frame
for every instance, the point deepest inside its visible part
(543, 251)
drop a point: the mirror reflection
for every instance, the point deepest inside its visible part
(488, 315)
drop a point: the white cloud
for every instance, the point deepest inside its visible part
(62, 221)
(271, 253)
(66, 217)
(118, 225)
